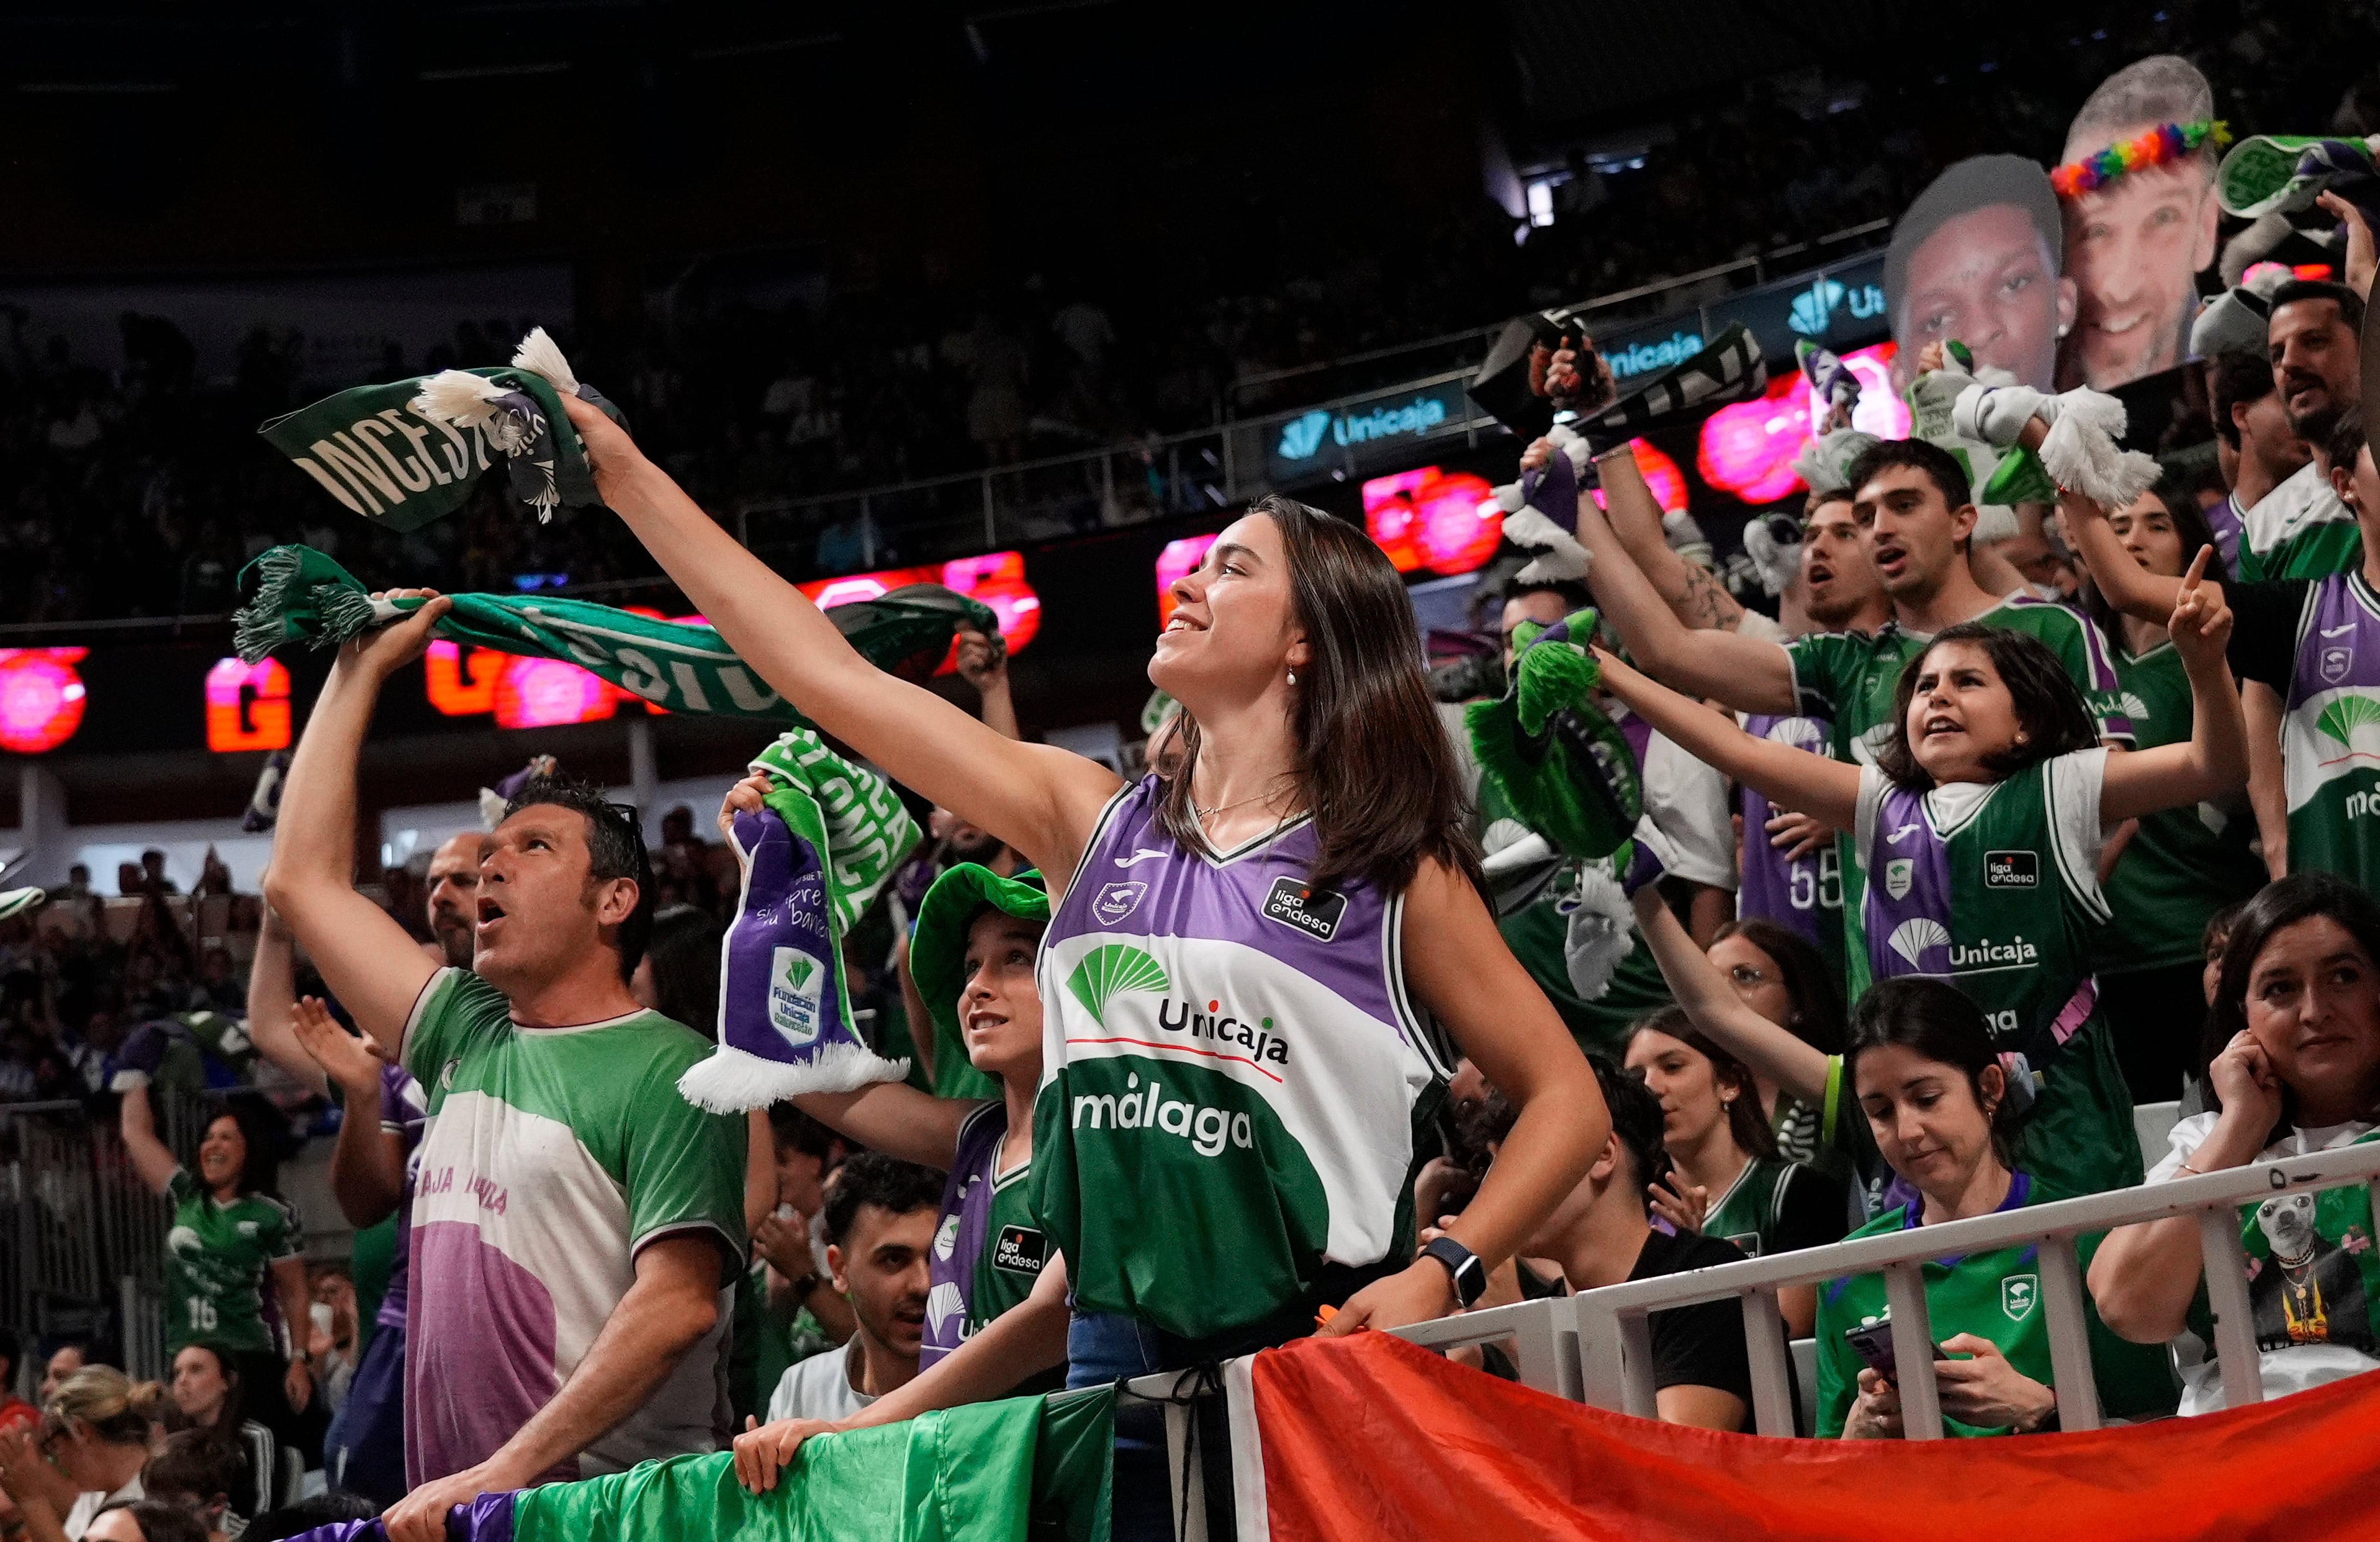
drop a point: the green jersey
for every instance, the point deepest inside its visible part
(1994, 1295)
(2301, 530)
(1993, 887)
(1774, 1206)
(1850, 679)
(2182, 866)
(218, 1258)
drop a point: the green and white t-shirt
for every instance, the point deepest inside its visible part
(554, 1155)
(1849, 678)
(2182, 866)
(2301, 530)
(1994, 1295)
(218, 1259)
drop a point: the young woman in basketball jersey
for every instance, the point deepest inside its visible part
(1242, 959)
(1980, 828)
(1727, 1179)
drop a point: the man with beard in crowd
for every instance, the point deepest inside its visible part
(2303, 530)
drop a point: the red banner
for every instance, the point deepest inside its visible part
(1373, 1439)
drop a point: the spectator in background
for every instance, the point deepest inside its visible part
(64, 1360)
(95, 1429)
(230, 1231)
(880, 1226)
(145, 1521)
(2255, 446)
(1602, 1234)
(15, 1414)
(152, 874)
(1727, 1179)
(454, 879)
(207, 1390)
(195, 1470)
(331, 1337)
(2296, 1031)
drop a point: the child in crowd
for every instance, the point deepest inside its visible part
(1979, 830)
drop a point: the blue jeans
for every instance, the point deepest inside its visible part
(1102, 1349)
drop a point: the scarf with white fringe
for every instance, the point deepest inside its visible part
(827, 842)
(405, 453)
(296, 593)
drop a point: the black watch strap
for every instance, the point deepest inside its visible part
(1470, 1275)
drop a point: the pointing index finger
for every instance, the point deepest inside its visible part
(2197, 570)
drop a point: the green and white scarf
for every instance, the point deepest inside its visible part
(405, 453)
(296, 593)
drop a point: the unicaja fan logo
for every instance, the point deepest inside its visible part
(1104, 971)
(1300, 437)
(1912, 938)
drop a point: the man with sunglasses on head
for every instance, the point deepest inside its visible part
(575, 1220)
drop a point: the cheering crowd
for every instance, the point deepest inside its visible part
(1878, 912)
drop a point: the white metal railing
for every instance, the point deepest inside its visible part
(1596, 1347)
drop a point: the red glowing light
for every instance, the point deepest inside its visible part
(1429, 521)
(248, 705)
(1748, 448)
(996, 578)
(42, 697)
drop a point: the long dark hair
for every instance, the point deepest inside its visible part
(1372, 759)
(1939, 1022)
(231, 1414)
(2279, 905)
(2052, 712)
(1745, 1120)
(1816, 990)
(262, 1128)
(2190, 525)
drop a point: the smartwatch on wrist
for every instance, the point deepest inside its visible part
(1470, 1275)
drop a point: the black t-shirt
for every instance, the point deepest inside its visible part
(1814, 1209)
(1696, 1346)
(2265, 621)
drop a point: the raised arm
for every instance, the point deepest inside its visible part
(1712, 1005)
(271, 995)
(2268, 792)
(1693, 593)
(367, 960)
(368, 1163)
(1749, 674)
(137, 1122)
(895, 1118)
(2128, 587)
(1037, 798)
(2215, 762)
(1789, 778)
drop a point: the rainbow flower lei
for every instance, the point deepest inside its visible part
(2167, 142)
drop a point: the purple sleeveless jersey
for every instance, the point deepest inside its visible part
(1800, 895)
(403, 1112)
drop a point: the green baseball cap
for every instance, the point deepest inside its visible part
(938, 946)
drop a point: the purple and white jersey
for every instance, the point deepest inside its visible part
(1230, 1071)
(405, 1111)
(959, 1232)
(1804, 894)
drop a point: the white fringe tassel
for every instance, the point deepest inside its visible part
(540, 354)
(734, 1081)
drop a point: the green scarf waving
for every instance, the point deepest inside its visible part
(296, 593)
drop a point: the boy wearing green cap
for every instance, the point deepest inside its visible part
(977, 935)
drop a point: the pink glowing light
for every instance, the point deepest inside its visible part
(42, 697)
(1178, 558)
(1429, 520)
(1748, 448)
(546, 693)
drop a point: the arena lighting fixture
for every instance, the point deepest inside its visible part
(1428, 521)
(547, 693)
(42, 697)
(1748, 448)
(248, 705)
